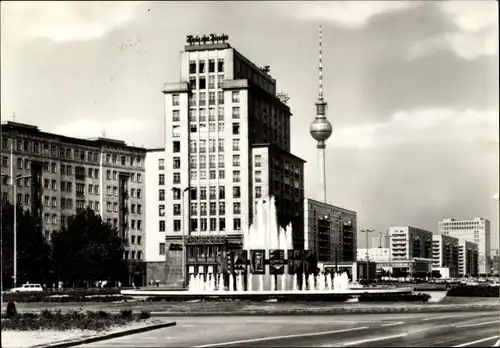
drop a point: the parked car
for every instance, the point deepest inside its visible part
(28, 288)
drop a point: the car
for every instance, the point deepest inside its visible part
(28, 288)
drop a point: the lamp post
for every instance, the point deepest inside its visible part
(183, 258)
(496, 197)
(14, 184)
(367, 254)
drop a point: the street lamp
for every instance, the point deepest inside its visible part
(367, 255)
(183, 258)
(496, 197)
(14, 184)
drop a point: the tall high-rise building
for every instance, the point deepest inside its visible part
(64, 175)
(445, 255)
(321, 128)
(227, 144)
(476, 230)
(468, 259)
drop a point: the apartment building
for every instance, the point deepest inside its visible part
(445, 255)
(330, 231)
(61, 176)
(220, 117)
(476, 230)
(468, 259)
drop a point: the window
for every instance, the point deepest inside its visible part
(192, 83)
(236, 176)
(236, 128)
(176, 116)
(203, 192)
(139, 209)
(194, 224)
(203, 98)
(221, 126)
(221, 146)
(108, 190)
(220, 113)
(177, 162)
(212, 160)
(175, 99)
(115, 175)
(162, 249)
(192, 67)
(161, 195)
(258, 159)
(236, 208)
(161, 210)
(53, 168)
(201, 65)
(258, 176)
(211, 82)
(220, 65)
(176, 131)
(222, 192)
(177, 178)
(236, 144)
(203, 161)
(177, 209)
(222, 208)
(108, 206)
(177, 225)
(161, 226)
(258, 191)
(139, 180)
(211, 98)
(203, 223)
(176, 146)
(237, 224)
(220, 80)
(193, 128)
(108, 175)
(221, 98)
(213, 224)
(115, 191)
(203, 208)
(203, 83)
(236, 112)
(161, 179)
(236, 96)
(139, 193)
(5, 161)
(211, 65)
(236, 160)
(194, 208)
(222, 224)
(19, 163)
(212, 175)
(236, 192)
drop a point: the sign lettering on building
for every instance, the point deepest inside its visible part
(202, 40)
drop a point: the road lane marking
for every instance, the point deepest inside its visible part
(357, 343)
(479, 324)
(393, 324)
(443, 317)
(250, 340)
(497, 344)
(478, 341)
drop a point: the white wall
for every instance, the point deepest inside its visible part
(153, 236)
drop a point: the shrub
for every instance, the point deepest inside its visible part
(474, 291)
(11, 309)
(389, 297)
(126, 313)
(144, 315)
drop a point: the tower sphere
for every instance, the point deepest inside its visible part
(320, 129)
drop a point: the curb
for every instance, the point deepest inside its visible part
(87, 340)
(338, 312)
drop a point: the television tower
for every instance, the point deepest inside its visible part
(321, 128)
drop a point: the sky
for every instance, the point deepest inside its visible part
(412, 89)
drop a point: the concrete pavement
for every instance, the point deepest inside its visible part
(459, 329)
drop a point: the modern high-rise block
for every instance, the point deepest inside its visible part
(70, 174)
(222, 120)
(445, 255)
(477, 231)
(468, 259)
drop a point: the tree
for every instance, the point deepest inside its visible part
(33, 250)
(87, 249)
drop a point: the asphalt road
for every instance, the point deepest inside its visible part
(459, 329)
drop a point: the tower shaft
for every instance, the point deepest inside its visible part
(322, 171)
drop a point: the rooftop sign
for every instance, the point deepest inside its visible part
(202, 40)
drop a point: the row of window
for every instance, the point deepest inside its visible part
(176, 116)
(205, 224)
(113, 191)
(134, 224)
(201, 67)
(113, 207)
(214, 145)
(202, 193)
(132, 254)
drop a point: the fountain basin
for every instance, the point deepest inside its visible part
(282, 295)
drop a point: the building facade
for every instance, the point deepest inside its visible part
(445, 255)
(64, 175)
(374, 254)
(330, 231)
(222, 107)
(468, 259)
(154, 249)
(410, 251)
(477, 231)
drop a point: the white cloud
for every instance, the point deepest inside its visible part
(476, 34)
(348, 13)
(121, 129)
(436, 125)
(63, 20)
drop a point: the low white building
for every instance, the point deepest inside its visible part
(374, 254)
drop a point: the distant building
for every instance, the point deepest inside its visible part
(445, 255)
(154, 250)
(374, 254)
(70, 174)
(476, 230)
(468, 259)
(330, 231)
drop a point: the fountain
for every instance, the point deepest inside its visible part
(267, 257)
